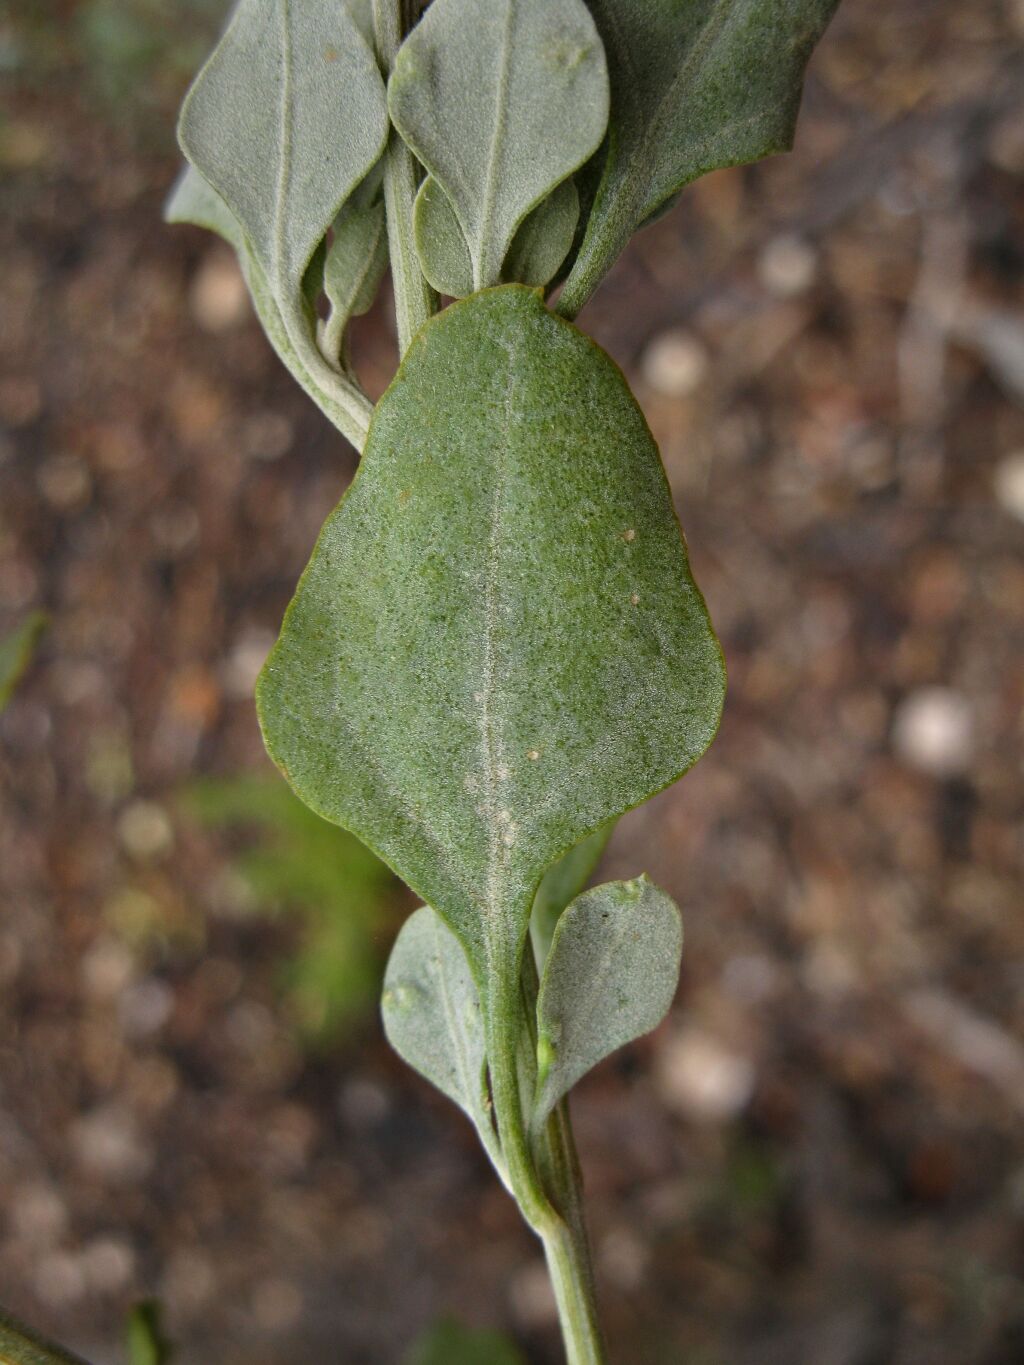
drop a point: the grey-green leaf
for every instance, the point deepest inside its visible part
(353, 269)
(610, 977)
(440, 242)
(501, 100)
(695, 86)
(544, 237)
(284, 120)
(432, 1018)
(497, 645)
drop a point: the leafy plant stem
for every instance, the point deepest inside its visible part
(569, 1259)
(545, 1179)
(415, 301)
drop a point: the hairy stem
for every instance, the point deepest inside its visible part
(415, 301)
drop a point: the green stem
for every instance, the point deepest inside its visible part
(547, 1189)
(415, 301)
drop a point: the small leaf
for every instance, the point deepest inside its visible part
(284, 120)
(694, 86)
(440, 242)
(563, 883)
(353, 269)
(501, 100)
(497, 645)
(544, 237)
(538, 248)
(449, 1343)
(610, 977)
(16, 650)
(432, 1018)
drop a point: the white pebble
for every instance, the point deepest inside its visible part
(933, 731)
(702, 1078)
(674, 363)
(787, 266)
(218, 297)
(1008, 481)
(145, 830)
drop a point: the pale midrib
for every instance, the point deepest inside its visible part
(490, 755)
(484, 245)
(284, 161)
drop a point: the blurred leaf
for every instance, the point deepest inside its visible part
(19, 1345)
(335, 884)
(16, 650)
(610, 977)
(448, 1343)
(147, 1344)
(500, 100)
(694, 87)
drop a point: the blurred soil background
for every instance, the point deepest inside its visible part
(818, 1159)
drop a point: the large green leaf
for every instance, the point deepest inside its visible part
(497, 645)
(610, 977)
(501, 100)
(284, 120)
(432, 1018)
(696, 85)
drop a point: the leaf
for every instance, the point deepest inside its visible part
(432, 1018)
(501, 100)
(284, 120)
(194, 201)
(353, 269)
(16, 650)
(19, 1345)
(695, 86)
(147, 1343)
(440, 242)
(337, 889)
(610, 977)
(538, 248)
(561, 884)
(544, 237)
(497, 645)
(449, 1343)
